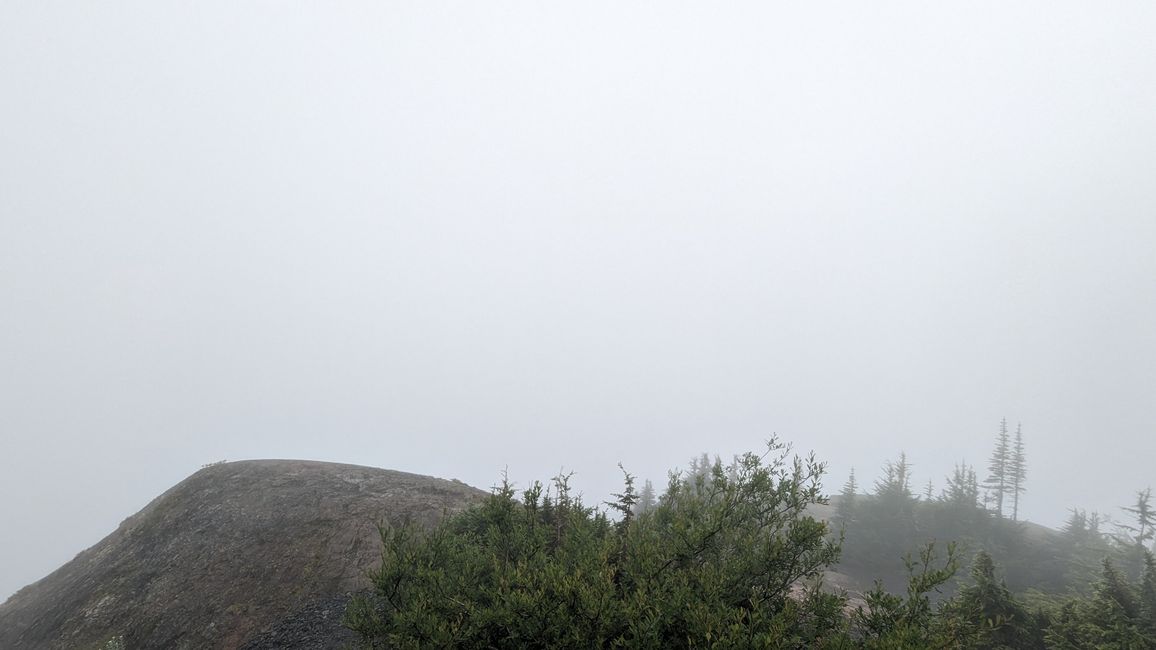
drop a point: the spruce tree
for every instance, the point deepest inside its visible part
(1148, 592)
(1133, 539)
(892, 511)
(846, 508)
(997, 480)
(895, 485)
(1114, 590)
(625, 502)
(1085, 546)
(1017, 472)
(1001, 621)
(1145, 517)
(647, 499)
(962, 488)
(701, 474)
(851, 487)
(1113, 617)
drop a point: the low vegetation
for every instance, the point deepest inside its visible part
(726, 557)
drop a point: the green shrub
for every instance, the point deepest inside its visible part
(720, 561)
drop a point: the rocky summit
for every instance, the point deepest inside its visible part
(251, 554)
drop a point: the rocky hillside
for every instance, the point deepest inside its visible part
(256, 554)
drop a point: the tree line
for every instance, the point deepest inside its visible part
(879, 524)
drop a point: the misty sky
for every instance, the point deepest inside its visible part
(448, 238)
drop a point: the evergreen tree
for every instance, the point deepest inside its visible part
(851, 487)
(1115, 593)
(887, 527)
(1077, 524)
(1145, 517)
(1002, 622)
(895, 485)
(962, 488)
(1132, 540)
(997, 482)
(1094, 521)
(625, 502)
(701, 474)
(1111, 618)
(1148, 593)
(845, 510)
(1084, 546)
(647, 499)
(1017, 472)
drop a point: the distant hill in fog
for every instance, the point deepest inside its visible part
(1028, 552)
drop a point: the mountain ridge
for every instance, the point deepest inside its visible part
(264, 540)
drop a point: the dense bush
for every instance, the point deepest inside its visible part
(719, 561)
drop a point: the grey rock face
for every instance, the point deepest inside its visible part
(260, 554)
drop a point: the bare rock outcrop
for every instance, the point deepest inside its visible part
(254, 553)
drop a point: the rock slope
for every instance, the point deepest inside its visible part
(256, 554)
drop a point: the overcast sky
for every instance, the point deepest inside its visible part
(451, 238)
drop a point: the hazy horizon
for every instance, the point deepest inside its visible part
(452, 238)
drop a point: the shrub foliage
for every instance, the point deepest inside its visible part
(719, 561)
(727, 557)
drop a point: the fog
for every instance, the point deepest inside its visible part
(452, 238)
